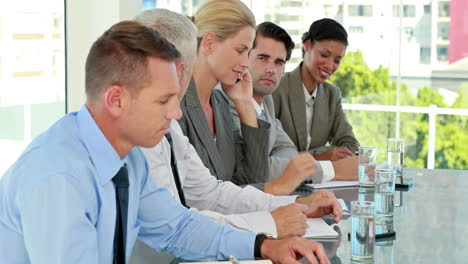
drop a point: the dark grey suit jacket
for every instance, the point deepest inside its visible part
(232, 157)
(281, 149)
(329, 123)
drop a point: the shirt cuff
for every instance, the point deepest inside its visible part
(328, 171)
(278, 201)
(263, 224)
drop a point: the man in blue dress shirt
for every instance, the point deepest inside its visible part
(58, 201)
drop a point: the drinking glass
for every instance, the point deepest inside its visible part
(362, 231)
(395, 154)
(367, 161)
(384, 190)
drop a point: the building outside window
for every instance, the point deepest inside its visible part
(356, 29)
(408, 10)
(444, 9)
(360, 10)
(427, 67)
(381, 73)
(425, 55)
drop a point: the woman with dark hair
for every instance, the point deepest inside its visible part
(308, 107)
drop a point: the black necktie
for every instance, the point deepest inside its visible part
(175, 172)
(121, 199)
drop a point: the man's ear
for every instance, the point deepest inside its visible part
(115, 99)
(180, 67)
(208, 42)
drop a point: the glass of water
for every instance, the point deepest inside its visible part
(362, 231)
(384, 190)
(395, 154)
(385, 248)
(367, 161)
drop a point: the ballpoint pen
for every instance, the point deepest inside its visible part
(390, 234)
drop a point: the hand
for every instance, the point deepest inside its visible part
(241, 94)
(290, 220)
(299, 168)
(346, 169)
(241, 91)
(290, 250)
(334, 154)
(322, 203)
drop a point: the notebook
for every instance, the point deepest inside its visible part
(333, 184)
(318, 228)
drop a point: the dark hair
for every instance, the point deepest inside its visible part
(271, 30)
(120, 57)
(325, 29)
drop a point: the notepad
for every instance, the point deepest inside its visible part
(333, 184)
(318, 228)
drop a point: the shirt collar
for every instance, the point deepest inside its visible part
(258, 107)
(307, 96)
(103, 155)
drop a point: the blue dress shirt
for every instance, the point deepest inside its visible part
(57, 204)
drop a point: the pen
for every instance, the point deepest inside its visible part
(380, 236)
(385, 235)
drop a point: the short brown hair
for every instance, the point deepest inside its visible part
(273, 31)
(119, 57)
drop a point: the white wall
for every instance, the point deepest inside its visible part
(86, 20)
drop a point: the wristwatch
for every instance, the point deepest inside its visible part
(258, 244)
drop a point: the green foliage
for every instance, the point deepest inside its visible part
(360, 85)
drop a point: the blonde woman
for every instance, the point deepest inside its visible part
(226, 30)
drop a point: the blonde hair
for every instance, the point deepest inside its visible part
(223, 17)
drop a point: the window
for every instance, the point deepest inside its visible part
(368, 77)
(360, 10)
(291, 4)
(442, 55)
(425, 55)
(444, 8)
(356, 29)
(408, 10)
(427, 9)
(148, 4)
(285, 17)
(443, 31)
(32, 73)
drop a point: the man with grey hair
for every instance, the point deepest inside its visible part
(180, 31)
(246, 208)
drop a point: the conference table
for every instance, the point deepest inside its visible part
(430, 221)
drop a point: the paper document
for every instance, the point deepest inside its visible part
(318, 228)
(333, 184)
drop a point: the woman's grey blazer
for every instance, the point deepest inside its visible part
(229, 156)
(329, 123)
